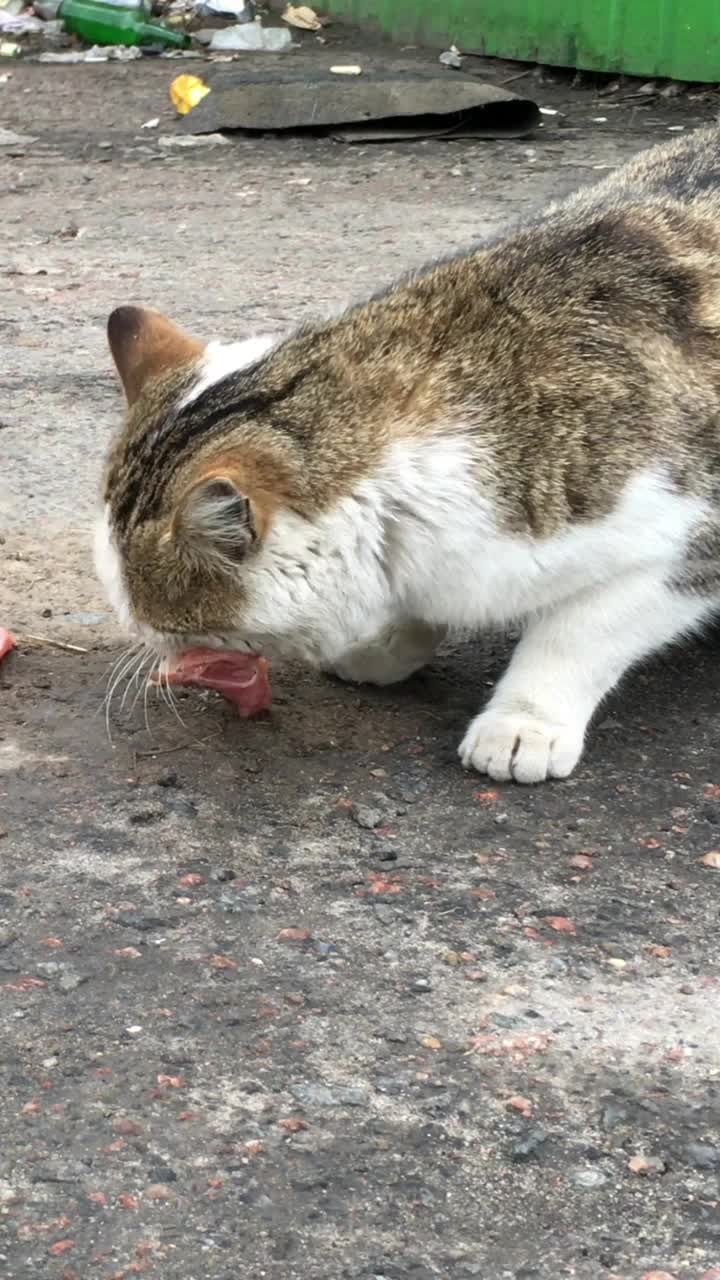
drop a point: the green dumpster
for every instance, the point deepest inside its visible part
(676, 38)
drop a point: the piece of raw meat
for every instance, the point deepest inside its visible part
(242, 678)
(7, 642)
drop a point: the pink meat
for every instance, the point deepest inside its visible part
(7, 642)
(242, 678)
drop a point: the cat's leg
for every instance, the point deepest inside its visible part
(396, 653)
(570, 656)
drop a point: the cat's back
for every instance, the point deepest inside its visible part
(685, 171)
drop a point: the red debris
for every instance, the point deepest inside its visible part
(380, 883)
(294, 935)
(221, 962)
(486, 798)
(7, 642)
(128, 1128)
(582, 862)
(60, 1247)
(519, 1047)
(293, 1124)
(518, 1103)
(561, 924)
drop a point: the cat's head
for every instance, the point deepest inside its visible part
(191, 484)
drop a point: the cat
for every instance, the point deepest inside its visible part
(528, 431)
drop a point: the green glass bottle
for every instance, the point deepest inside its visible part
(117, 22)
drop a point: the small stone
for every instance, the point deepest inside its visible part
(320, 1095)
(612, 1116)
(431, 1042)
(134, 1030)
(385, 913)
(168, 779)
(528, 1145)
(70, 980)
(703, 1156)
(421, 986)
(223, 874)
(366, 817)
(324, 949)
(162, 1173)
(588, 1178)
(508, 1021)
(410, 791)
(183, 806)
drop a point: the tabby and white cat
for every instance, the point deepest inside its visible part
(527, 431)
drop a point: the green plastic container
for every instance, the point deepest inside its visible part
(116, 22)
(675, 38)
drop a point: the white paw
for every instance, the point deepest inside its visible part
(375, 665)
(397, 654)
(521, 746)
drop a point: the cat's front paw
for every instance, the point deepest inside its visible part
(521, 746)
(395, 655)
(374, 664)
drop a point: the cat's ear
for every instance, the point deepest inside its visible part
(145, 344)
(216, 520)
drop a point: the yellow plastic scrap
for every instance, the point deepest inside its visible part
(186, 92)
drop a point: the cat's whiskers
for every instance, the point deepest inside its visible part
(118, 672)
(133, 678)
(164, 689)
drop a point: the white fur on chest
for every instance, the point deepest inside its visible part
(420, 540)
(481, 576)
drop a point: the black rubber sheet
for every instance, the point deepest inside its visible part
(382, 104)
